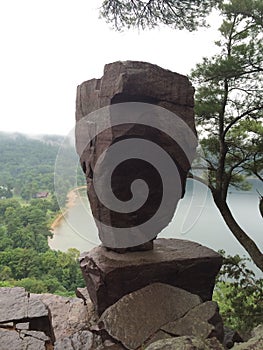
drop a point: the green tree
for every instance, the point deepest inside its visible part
(20, 261)
(5, 273)
(187, 14)
(229, 110)
(27, 165)
(32, 285)
(8, 203)
(229, 91)
(252, 10)
(5, 241)
(70, 274)
(239, 295)
(6, 192)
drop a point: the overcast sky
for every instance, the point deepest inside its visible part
(49, 47)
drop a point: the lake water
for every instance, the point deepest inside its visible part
(196, 219)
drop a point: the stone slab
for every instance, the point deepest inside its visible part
(20, 308)
(12, 340)
(203, 321)
(179, 263)
(137, 316)
(16, 304)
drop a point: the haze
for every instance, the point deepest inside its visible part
(49, 47)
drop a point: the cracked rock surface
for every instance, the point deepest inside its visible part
(24, 322)
(17, 305)
(144, 312)
(203, 320)
(186, 343)
(184, 264)
(158, 316)
(37, 321)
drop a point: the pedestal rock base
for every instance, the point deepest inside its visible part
(180, 263)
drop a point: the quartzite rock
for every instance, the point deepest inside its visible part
(203, 321)
(69, 315)
(23, 326)
(132, 79)
(184, 264)
(82, 340)
(18, 306)
(186, 343)
(12, 340)
(231, 337)
(138, 315)
(13, 304)
(255, 343)
(159, 335)
(83, 294)
(144, 83)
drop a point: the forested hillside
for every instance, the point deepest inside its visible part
(26, 164)
(27, 170)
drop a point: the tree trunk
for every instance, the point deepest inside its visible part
(240, 235)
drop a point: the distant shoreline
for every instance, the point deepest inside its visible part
(71, 201)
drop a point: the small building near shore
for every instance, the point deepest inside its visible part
(41, 195)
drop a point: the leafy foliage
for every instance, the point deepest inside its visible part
(27, 167)
(188, 14)
(229, 102)
(239, 294)
(229, 109)
(25, 257)
(252, 10)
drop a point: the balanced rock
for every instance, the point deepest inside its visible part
(138, 315)
(130, 80)
(179, 263)
(147, 103)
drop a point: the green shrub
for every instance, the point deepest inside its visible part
(239, 295)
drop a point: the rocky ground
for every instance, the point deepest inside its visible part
(158, 316)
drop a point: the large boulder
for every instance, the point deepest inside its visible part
(158, 108)
(138, 315)
(179, 263)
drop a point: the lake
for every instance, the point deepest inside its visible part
(196, 219)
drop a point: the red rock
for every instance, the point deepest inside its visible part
(184, 264)
(138, 315)
(203, 321)
(163, 102)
